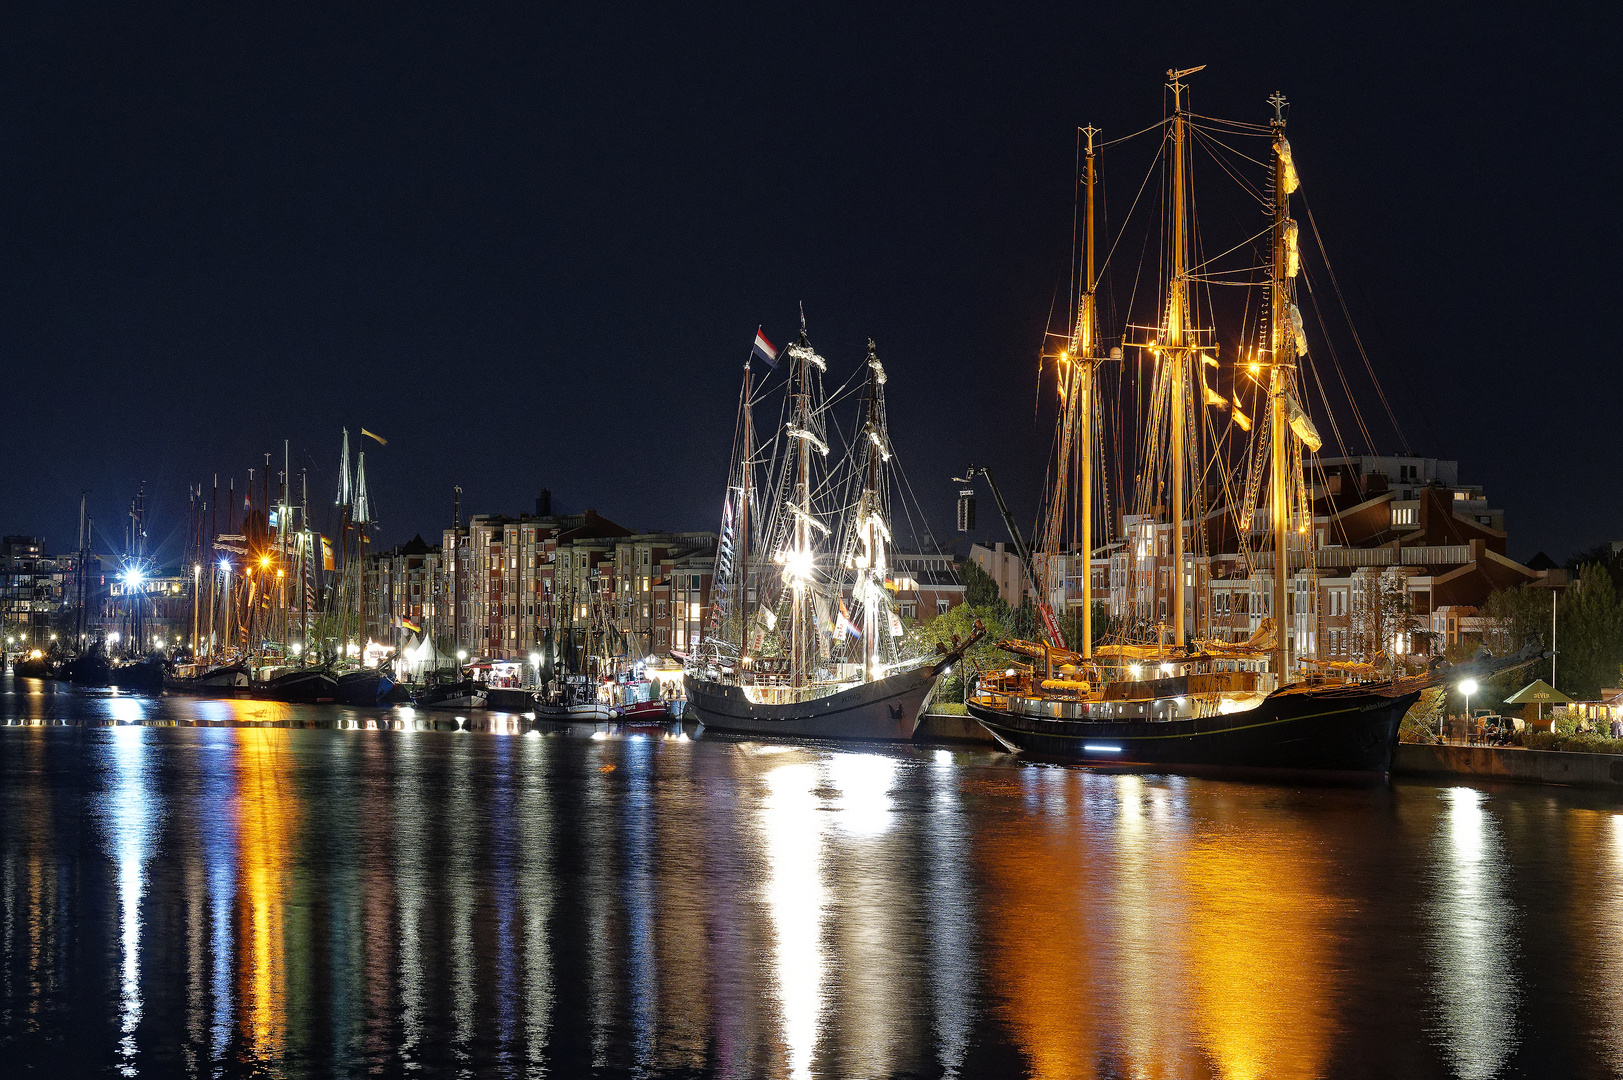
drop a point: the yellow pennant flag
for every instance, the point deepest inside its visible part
(381, 440)
(1242, 419)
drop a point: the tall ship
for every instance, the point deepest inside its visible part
(1154, 690)
(804, 639)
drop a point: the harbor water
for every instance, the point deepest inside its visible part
(235, 888)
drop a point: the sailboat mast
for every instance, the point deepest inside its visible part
(798, 650)
(1177, 319)
(1087, 348)
(1277, 389)
(744, 496)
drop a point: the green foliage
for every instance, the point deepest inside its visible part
(1589, 634)
(1575, 744)
(921, 638)
(980, 589)
(948, 708)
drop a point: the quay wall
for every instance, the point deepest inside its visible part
(942, 727)
(1509, 763)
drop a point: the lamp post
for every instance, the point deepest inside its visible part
(461, 655)
(1468, 687)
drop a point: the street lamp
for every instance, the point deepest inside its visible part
(1468, 687)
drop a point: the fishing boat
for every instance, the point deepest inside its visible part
(1158, 694)
(572, 700)
(791, 667)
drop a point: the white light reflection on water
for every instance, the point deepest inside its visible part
(129, 820)
(536, 901)
(952, 969)
(793, 823)
(1473, 933)
(864, 782)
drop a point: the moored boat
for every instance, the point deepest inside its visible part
(303, 686)
(222, 680)
(364, 687)
(462, 694)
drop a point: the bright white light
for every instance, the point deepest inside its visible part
(1009, 671)
(797, 565)
(1135, 669)
(1100, 748)
(535, 659)
(1166, 669)
(297, 648)
(225, 566)
(113, 637)
(462, 654)
(1468, 687)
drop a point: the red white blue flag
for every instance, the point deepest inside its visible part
(764, 349)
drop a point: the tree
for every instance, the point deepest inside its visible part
(921, 639)
(1381, 614)
(980, 588)
(1590, 634)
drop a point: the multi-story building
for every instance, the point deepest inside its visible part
(33, 591)
(1384, 528)
(401, 589)
(578, 587)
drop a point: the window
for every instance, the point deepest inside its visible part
(941, 607)
(695, 584)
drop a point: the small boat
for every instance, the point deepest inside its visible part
(364, 687)
(644, 712)
(573, 703)
(304, 686)
(587, 713)
(220, 679)
(87, 669)
(143, 674)
(465, 694)
(32, 666)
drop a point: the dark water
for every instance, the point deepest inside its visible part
(261, 900)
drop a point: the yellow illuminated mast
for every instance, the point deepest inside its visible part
(1278, 387)
(1175, 343)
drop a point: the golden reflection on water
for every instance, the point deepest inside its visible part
(1262, 935)
(1135, 933)
(266, 817)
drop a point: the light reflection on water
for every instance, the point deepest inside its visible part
(388, 898)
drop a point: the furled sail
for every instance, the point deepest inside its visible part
(1302, 424)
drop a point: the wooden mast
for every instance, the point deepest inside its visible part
(1277, 389)
(1087, 349)
(1176, 345)
(745, 484)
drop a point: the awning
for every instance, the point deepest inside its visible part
(1537, 692)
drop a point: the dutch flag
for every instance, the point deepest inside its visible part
(765, 349)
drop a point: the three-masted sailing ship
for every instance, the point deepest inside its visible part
(785, 655)
(1158, 694)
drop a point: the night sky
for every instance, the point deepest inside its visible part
(530, 245)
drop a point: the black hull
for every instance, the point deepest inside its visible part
(86, 671)
(463, 695)
(366, 689)
(300, 687)
(139, 675)
(1333, 731)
